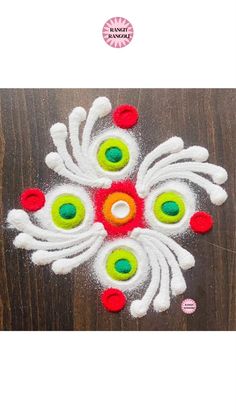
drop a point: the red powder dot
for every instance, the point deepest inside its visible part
(32, 199)
(113, 300)
(201, 222)
(125, 116)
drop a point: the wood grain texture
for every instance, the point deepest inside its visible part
(33, 298)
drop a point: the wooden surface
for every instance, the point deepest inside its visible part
(33, 298)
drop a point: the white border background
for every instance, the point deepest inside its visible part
(177, 43)
(118, 375)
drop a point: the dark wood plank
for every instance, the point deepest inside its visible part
(33, 298)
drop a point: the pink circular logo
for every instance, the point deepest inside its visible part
(188, 306)
(117, 32)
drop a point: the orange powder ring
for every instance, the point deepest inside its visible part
(112, 199)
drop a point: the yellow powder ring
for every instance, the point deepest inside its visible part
(114, 198)
(73, 220)
(118, 255)
(113, 143)
(165, 198)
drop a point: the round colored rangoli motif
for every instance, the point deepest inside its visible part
(128, 222)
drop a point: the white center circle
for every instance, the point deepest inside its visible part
(120, 209)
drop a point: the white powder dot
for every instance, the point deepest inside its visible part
(120, 209)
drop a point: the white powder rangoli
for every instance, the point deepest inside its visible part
(127, 224)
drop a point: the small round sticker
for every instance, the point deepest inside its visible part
(188, 306)
(117, 32)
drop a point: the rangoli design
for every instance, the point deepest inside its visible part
(128, 225)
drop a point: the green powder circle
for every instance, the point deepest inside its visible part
(113, 154)
(170, 208)
(67, 211)
(123, 266)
